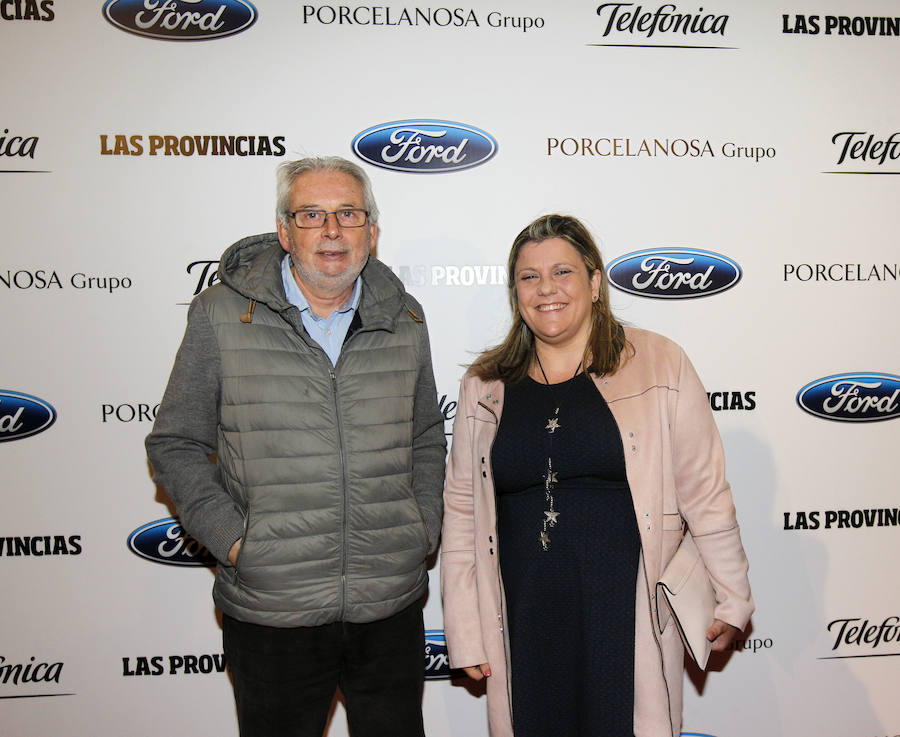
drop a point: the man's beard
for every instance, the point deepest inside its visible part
(327, 283)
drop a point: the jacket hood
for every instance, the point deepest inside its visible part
(252, 268)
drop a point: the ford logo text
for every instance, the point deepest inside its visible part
(428, 146)
(181, 20)
(164, 541)
(437, 663)
(673, 273)
(864, 397)
(22, 415)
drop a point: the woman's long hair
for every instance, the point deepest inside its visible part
(607, 346)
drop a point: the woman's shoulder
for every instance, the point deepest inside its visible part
(474, 384)
(651, 359)
(646, 341)
(474, 390)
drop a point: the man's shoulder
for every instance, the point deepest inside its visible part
(381, 277)
(248, 269)
(243, 252)
(218, 294)
(387, 290)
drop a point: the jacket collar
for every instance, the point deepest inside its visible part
(252, 268)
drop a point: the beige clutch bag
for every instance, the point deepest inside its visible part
(686, 589)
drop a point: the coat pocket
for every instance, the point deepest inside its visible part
(242, 553)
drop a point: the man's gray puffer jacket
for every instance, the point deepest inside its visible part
(331, 475)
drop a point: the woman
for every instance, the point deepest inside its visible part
(578, 448)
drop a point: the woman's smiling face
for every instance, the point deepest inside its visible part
(555, 291)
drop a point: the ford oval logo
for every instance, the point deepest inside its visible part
(428, 146)
(164, 541)
(673, 273)
(437, 663)
(181, 20)
(863, 397)
(22, 415)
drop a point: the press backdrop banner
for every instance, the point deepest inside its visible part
(739, 164)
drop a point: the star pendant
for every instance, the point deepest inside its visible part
(545, 540)
(551, 517)
(552, 425)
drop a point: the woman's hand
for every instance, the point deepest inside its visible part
(720, 635)
(477, 672)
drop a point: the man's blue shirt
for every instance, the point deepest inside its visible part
(329, 332)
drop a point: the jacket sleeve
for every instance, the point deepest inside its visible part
(705, 500)
(184, 437)
(462, 624)
(429, 450)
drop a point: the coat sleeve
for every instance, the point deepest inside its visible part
(429, 450)
(705, 500)
(462, 625)
(184, 437)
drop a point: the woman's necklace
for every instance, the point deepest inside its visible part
(550, 478)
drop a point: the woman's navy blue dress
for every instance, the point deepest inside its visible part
(570, 608)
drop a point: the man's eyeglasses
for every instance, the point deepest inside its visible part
(349, 217)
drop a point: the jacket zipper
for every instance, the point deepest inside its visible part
(344, 502)
(340, 428)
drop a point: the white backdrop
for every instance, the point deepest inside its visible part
(86, 624)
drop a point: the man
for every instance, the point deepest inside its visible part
(309, 374)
